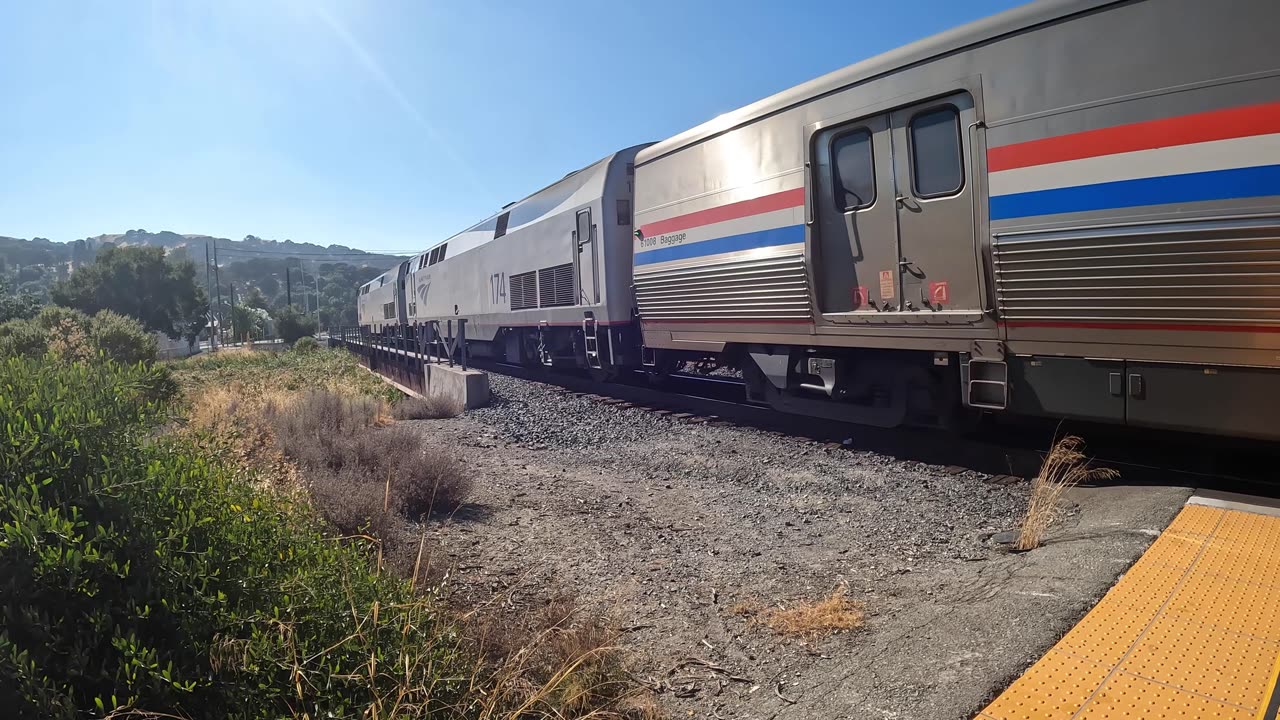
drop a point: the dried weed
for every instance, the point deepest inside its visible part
(809, 619)
(1064, 467)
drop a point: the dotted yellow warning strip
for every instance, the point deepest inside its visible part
(1191, 631)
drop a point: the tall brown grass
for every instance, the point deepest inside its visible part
(1065, 467)
(433, 407)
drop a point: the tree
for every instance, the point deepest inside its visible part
(245, 322)
(255, 299)
(139, 282)
(15, 305)
(292, 325)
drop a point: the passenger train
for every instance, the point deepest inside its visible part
(1070, 209)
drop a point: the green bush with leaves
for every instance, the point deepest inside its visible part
(305, 345)
(121, 338)
(136, 573)
(23, 338)
(292, 325)
(53, 317)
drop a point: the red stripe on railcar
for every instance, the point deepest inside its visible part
(755, 206)
(1184, 130)
(1185, 327)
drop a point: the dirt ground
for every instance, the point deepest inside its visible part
(671, 526)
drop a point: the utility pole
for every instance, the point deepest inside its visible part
(315, 272)
(232, 295)
(288, 287)
(208, 286)
(217, 281)
(302, 275)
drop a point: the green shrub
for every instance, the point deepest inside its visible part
(23, 338)
(52, 317)
(305, 345)
(292, 325)
(121, 338)
(136, 573)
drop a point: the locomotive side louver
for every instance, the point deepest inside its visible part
(555, 285)
(523, 290)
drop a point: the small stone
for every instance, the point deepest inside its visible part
(1008, 537)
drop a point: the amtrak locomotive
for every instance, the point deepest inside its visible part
(1071, 209)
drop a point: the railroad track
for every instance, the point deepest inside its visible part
(1004, 451)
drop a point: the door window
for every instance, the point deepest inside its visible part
(937, 167)
(854, 168)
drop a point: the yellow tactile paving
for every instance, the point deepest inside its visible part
(1191, 631)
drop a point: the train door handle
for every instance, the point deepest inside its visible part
(1116, 381)
(908, 203)
(911, 268)
(1137, 388)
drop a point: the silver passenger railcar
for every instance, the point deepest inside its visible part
(546, 280)
(1068, 209)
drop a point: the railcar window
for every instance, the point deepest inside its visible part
(936, 165)
(501, 229)
(855, 171)
(624, 211)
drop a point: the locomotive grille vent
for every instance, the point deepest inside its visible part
(523, 290)
(555, 285)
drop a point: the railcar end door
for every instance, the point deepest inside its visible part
(938, 265)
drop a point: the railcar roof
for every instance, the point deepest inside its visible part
(974, 33)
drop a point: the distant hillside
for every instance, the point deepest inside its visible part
(250, 245)
(278, 270)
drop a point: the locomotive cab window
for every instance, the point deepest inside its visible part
(854, 168)
(435, 256)
(937, 167)
(443, 249)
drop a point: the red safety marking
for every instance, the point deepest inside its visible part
(860, 296)
(938, 293)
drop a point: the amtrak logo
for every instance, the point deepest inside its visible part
(423, 289)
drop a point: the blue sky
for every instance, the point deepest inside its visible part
(381, 125)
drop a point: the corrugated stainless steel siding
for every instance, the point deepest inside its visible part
(1204, 272)
(770, 288)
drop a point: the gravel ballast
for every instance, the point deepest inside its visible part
(668, 525)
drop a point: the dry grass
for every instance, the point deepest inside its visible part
(427, 408)
(552, 661)
(372, 478)
(1064, 467)
(809, 619)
